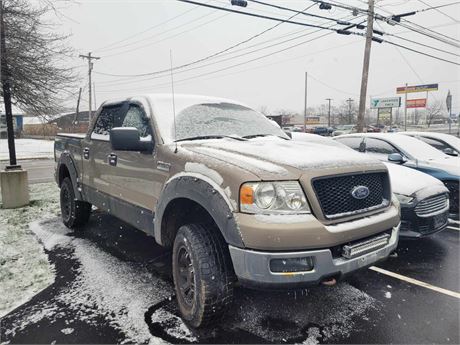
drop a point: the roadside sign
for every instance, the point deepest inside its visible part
(312, 120)
(389, 102)
(416, 103)
(417, 88)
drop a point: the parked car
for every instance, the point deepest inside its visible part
(372, 129)
(448, 144)
(344, 129)
(323, 130)
(424, 199)
(230, 194)
(412, 153)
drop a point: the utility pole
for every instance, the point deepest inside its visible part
(90, 59)
(77, 111)
(94, 94)
(350, 120)
(405, 108)
(6, 86)
(367, 57)
(305, 105)
(329, 112)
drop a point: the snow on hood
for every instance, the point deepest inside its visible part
(410, 182)
(278, 156)
(449, 164)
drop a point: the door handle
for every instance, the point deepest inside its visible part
(112, 159)
(86, 153)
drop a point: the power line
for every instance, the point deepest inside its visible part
(437, 9)
(147, 30)
(262, 16)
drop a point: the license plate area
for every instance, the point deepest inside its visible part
(359, 248)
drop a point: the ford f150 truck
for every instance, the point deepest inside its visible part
(234, 198)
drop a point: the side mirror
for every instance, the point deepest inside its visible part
(396, 158)
(128, 139)
(450, 151)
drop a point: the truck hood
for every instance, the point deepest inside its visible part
(275, 158)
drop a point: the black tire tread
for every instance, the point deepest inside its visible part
(216, 272)
(81, 210)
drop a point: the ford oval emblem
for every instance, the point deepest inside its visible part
(360, 192)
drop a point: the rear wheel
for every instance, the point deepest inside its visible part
(203, 275)
(74, 213)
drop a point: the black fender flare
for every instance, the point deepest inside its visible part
(207, 194)
(66, 160)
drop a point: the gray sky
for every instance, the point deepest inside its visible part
(113, 31)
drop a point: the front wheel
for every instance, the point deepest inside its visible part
(74, 213)
(203, 275)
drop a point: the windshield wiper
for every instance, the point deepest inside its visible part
(203, 137)
(263, 135)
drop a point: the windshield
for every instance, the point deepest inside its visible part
(217, 119)
(417, 148)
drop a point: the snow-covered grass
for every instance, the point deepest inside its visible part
(28, 148)
(24, 267)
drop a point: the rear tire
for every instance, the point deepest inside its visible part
(203, 274)
(75, 213)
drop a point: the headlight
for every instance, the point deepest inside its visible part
(404, 199)
(285, 197)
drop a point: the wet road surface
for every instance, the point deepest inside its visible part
(113, 285)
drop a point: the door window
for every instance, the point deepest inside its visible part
(136, 117)
(106, 121)
(435, 143)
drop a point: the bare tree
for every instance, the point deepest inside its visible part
(434, 111)
(37, 58)
(264, 110)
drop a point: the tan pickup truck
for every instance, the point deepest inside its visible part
(234, 198)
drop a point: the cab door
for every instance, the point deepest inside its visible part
(96, 150)
(132, 174)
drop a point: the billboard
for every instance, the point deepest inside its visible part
(417, 88)
(416, 103)
(312, 120)
(389, 102)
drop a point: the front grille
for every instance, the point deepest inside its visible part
(335, 194)
(432, 205)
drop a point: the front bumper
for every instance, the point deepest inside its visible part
(414, 226)
(253, 267)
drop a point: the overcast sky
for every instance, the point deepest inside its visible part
(135, 37)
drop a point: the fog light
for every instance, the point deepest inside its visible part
(291, 265)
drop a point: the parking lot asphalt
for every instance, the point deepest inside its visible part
(113, 285)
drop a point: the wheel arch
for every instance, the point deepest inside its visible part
(190, 198)
(66, 168)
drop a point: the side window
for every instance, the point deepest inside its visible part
(354, 143)
(379, 146)
(136, 117)
(106, 120)
(435, 143)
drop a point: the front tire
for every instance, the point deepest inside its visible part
(75, 213)
(203, 275)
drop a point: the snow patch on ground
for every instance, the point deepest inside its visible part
(24, 266)
(28, 148)
(387, 294)
(105, 286)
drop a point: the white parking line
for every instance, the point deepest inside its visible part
(453, 228)
(415, 282)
